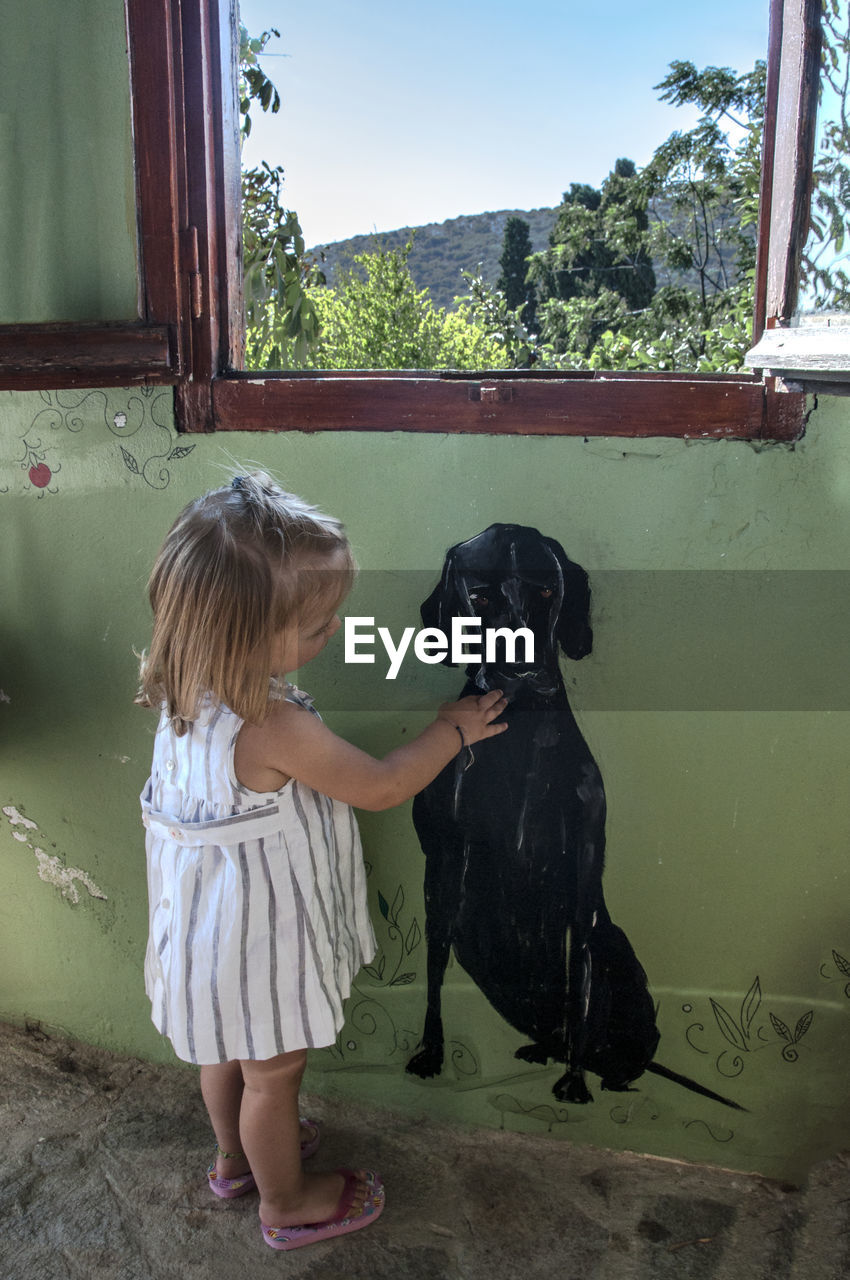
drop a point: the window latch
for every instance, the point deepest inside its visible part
(491, 392)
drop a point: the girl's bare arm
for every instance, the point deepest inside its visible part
(293, 743)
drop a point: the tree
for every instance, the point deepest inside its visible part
(597, 255)
(654, 270)
(376, 318)
(488, 310)
(703, 189)
(280, 319)
(513, 282)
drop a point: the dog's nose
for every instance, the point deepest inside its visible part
(514, 596)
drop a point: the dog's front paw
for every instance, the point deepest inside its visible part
(572, 1088)
(427, 1062)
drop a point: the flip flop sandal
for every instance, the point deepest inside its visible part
(341, 1223)
(230, 1188)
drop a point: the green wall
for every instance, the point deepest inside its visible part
(727, 825)
(715, 699)
(67, 203)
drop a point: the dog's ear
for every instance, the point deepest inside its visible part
(573, 629)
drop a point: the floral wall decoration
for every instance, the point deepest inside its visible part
(837, 971)
(140, 420)
(746, 1031)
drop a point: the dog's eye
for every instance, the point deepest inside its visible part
(546, 593)
(478, 598)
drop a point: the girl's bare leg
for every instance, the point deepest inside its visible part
(270, 1136)
(222, 1086)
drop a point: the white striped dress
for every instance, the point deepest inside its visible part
(258, 914)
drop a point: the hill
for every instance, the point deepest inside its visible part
(441, 250)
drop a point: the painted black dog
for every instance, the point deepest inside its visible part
(514, 837)
(515, 842)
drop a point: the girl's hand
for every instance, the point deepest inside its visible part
(476, 716)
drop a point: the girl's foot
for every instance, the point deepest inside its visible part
(236, 1181)
(361, 1203)
(320, 1199)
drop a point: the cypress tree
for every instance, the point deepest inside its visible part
(516, 249)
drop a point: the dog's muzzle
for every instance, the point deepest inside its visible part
(534, 680)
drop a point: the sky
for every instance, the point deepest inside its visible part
(396, 114)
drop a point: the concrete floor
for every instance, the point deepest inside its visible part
(103, 1179)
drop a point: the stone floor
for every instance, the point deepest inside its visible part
(103, 1179)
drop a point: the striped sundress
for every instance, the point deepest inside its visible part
(258, 914)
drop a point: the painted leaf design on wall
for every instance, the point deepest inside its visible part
(729, 1027)
(182, 451)
(799, 1031)
(750, 1007)
(803, 1025)
(401, 942)
(129, 461)
(414, 937)
(780, 1028)
(841, 964)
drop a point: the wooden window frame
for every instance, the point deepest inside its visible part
(189, 331)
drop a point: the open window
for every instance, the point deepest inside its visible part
(189, 328)
(803, 335)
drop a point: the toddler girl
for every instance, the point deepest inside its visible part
(258, 917)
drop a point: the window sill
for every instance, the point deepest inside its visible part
(687, 406)
(813, 355)
(55, 356)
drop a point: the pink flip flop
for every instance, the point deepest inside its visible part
(230, 1188)
(340, 1224)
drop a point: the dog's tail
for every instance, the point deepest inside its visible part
(687, 1083)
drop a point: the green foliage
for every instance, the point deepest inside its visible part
(652, 271)
(824, 269)
(597, 268)
(488, 310)
(376, 318)
(254, 84)
(685, 220)
(280, 319)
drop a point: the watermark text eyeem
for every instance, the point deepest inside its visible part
(468, 641)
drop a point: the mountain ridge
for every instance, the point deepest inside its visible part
(441, 250)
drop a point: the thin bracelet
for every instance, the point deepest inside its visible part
(470, 758)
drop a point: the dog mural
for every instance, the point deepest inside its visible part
(514, 836)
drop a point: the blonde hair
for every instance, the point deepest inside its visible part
(238, 565)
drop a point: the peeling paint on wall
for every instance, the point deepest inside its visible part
(18, 819)
(51, 869)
